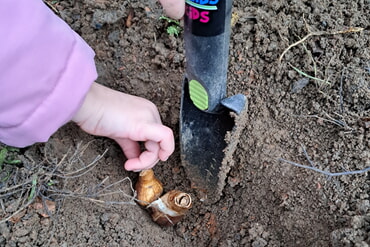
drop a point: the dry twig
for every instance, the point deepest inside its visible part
(38, 180)
(329, 174)
(320, 33)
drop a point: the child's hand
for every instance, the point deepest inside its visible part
(126, 119)
(173, 8)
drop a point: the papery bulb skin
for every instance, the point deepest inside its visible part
(170, 208)
(148, 187)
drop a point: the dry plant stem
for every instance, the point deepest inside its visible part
(16, 186)
(307, 156)
(329, 120)
(61, 161)
(329, 174)
(78, 152)
(320, 33)
(338, 122)
(308, 76)
(313, 60)
(86, 169)
(15, 181)
(101, 183)
(341, 93)
(93, 197)
(51, 6)
(327, 96)
(2, 205)
(131, 202)
(29, 190)
(122, 180)
(55, 218)
(46, 208)
(114, 193)
(18, 211)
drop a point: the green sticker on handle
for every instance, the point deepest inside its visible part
(198, 95)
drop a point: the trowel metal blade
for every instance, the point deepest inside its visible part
(202, 142)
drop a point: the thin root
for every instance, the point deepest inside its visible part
(320, 33)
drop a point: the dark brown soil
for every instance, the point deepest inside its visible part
(265, 202)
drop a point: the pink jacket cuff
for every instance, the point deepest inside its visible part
(46, 70)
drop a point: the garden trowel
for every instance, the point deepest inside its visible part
(205, 109)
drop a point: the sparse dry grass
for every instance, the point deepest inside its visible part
(29, 182)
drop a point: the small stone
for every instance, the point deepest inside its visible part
(358, 222)
(299, 85)
(363, 206)
(4, 230)
(22, 232)
(259, 242)
(101, 17)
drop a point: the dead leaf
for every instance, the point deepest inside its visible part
(17, 217)
(38, 205)
(129, 17)
(212, 225)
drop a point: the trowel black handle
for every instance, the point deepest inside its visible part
(207, 37)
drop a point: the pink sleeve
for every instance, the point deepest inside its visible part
(46, 70)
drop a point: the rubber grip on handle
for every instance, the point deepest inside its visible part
(207, 37)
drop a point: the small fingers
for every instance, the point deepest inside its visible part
(158, 133)
(146, 159)
(136, 164)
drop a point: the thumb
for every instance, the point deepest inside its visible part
(173, 8)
